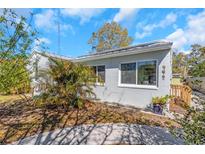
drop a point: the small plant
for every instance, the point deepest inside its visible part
(160, 100)
(159, 103)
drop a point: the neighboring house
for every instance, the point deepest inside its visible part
(38, 63)
(132, 75)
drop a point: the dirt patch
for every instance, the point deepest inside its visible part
(21, 118)
(177, 108)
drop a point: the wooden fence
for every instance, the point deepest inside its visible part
(182, 93)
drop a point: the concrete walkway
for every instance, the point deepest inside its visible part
(105, 134)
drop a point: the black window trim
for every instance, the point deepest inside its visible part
(98, 83)
(156, 71)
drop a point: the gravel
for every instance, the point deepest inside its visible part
(198, 100)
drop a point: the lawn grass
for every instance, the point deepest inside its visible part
(20, 118)
(11, 98)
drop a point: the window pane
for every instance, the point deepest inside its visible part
(147, 73)
(101, 73)
(128, 73)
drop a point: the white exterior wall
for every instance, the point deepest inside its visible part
(136, 96)
(43, 64)
(111, 91)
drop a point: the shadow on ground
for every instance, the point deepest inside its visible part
(20, 121)
(119, 134)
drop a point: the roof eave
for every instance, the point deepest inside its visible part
(46, 54)
(119, 54)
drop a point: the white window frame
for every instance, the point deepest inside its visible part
(96, 82)
(136, 85)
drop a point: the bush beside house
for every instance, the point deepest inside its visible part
(71, 84)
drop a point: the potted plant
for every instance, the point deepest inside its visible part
(159, 103)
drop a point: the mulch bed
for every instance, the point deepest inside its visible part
(21, 118)
(178, 107)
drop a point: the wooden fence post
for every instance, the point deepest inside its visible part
(183, 93)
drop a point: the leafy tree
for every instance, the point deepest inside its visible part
(110, 36)
(196, 61)
(193, 123)
(16, 40)
(192, 64)
(67, 84)
(180, 64)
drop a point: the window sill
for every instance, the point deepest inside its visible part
(137, 86)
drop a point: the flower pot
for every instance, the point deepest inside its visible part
(158, 109)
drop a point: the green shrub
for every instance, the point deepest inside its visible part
(14, 77)
(193, 126)
(160, 100)
(70, 86)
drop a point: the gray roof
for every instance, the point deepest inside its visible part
(47, 54)
(135, 49)
(126, 50)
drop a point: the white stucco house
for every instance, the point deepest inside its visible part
(132, 75)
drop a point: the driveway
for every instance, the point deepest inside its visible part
(104, 134)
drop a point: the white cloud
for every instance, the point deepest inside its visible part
(147, 29)
(83, 14)
(40, 41)
(125, 13)
(169, 19)
(196, 28)
(45, 19)
(1, 11)
(48, 21)
(179, 38)
(192, 33)
(21, 12)
(44, 40)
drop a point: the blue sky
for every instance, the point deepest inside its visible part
(182, 26)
